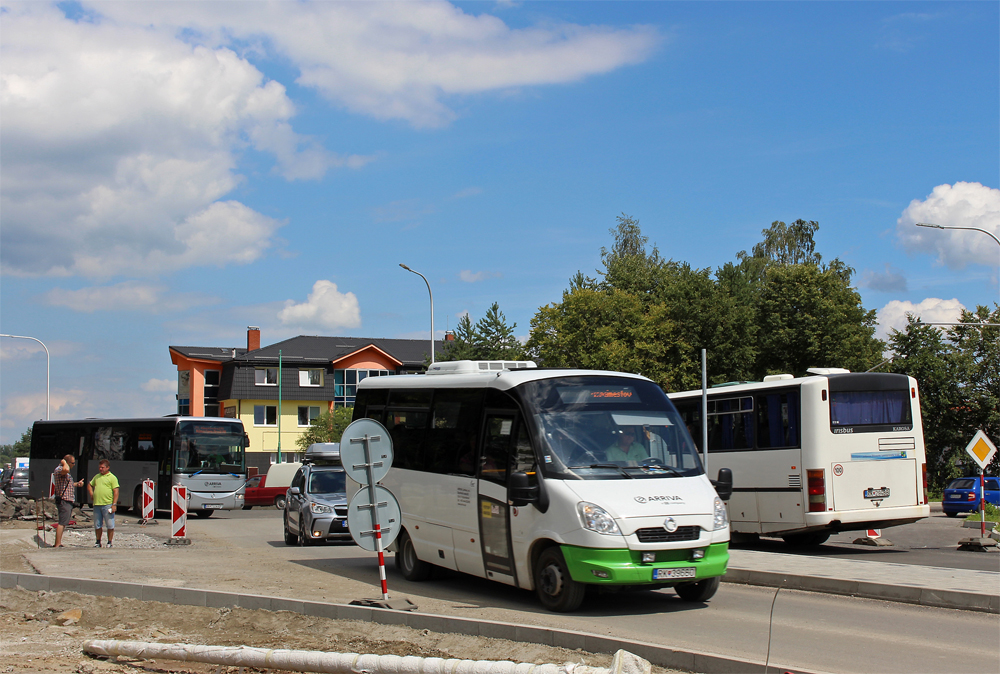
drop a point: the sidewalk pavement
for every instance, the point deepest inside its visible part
(908, 583)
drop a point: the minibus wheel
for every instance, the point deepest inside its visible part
(701, 591)
(555, 588)
(407, 562)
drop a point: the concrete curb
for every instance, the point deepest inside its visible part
(664, 656)
(908, 594)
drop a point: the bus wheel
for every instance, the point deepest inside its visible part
(407, 562)
(203, 513)
(701, 591)
(555, 588)
(137, 501)
(246, 507)
(807, 540)
(279, 502)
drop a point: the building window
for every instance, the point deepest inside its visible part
(212, 380)
(308, 415)
(265, 415)
(266, 376)
(311, 377)
(345, 384)
(184, 407)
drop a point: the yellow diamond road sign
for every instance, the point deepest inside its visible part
(981, 449)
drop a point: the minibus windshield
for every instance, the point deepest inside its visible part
(597, 427)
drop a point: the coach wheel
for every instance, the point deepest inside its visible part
(203, 513)
(555, 588)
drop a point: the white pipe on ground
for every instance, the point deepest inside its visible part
(348, 663)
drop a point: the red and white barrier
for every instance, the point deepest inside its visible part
(147, 499)
(52, 485)
(178, 512)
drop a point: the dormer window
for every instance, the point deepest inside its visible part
(312, 377)
(266, 376)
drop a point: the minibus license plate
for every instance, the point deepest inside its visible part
(213, 506)
(671, 574)
(877, 493)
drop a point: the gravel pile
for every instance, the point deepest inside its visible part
(84, 538)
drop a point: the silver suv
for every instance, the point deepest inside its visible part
(316, 502)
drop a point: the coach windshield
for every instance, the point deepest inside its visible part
(209, 448)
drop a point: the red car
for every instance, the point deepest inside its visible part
(259, 491)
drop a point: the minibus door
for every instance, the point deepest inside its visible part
(494, 514)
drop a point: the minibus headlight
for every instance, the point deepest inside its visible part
(596, 518)
(721, 517)
(320, 509)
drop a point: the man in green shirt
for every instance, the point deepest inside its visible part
(103, 490)
(626, 450)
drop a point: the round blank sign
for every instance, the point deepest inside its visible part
(361, 518)
(352, 450)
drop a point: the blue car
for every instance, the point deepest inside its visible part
(962, 495)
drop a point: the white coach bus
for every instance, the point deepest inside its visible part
(552, 480)
(833, 451)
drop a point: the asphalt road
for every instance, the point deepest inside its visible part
(808, 631)
(930, 542)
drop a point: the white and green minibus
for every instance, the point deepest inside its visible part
(548, 479)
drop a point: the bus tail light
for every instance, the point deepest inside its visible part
(923, 468)
(817, 490)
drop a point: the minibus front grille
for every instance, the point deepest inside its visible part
(661, 535)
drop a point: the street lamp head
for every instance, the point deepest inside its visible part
(928, 224)
(404, 267)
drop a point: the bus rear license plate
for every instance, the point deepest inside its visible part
(672, 574)
(213, 506)
(877, 493)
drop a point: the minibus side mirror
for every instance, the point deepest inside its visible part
(520, 491)
(724, 485)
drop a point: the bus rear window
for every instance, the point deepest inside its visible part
(870, 408)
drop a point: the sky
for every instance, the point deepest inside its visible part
(173, 172)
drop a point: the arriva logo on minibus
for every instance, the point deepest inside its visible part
(655, 499)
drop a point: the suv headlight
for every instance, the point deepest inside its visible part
(721, 516)
(320, 509)
(596, 518)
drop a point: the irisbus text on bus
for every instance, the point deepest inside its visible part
(833, 451)
(204, 454)
(552, 480)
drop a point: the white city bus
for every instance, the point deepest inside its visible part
(204, 454)
(508, 472)
(834, 451)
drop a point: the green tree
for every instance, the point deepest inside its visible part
(788, 244)
(21, 447)
(328, 427)
(489, 339)
(808, 316)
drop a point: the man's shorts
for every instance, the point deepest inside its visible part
(103, 517)
(65, 512)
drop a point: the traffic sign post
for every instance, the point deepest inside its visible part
(373, 515)
(982, 450)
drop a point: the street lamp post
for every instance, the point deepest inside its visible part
(432, 305)
(975, 229)
(47, 370)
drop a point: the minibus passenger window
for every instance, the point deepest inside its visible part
(496, 449)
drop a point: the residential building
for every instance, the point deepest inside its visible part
(279, 390)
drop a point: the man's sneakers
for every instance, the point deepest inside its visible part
(97, 544)
(109, 544)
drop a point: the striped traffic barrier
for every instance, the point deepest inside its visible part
(147, 499)
(178, 515)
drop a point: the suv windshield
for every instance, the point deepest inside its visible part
(208, 447)
(326, 481)
(600, 427)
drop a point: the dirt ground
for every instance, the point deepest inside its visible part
(33, 640)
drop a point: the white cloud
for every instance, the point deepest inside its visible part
(959, 205)
(402, 60)
(127, 296)
(159, 386)
(325, 309)
(467, 192)
(119, 139)
(931, 310)
(468, 276)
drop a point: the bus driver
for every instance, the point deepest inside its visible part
(626, 451)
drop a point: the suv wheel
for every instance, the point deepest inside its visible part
(304, 539)
(290, 539)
